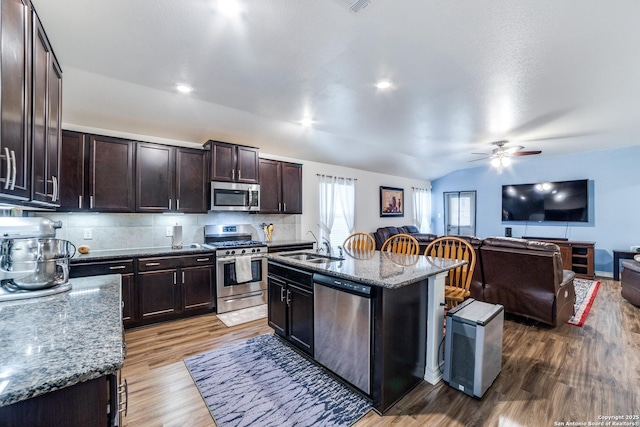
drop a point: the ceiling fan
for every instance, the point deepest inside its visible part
(500, 156)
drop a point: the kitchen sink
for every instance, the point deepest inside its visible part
(314, 258)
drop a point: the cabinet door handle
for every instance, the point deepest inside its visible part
(233, 174)
(90, 202)
(124, 405)
(117, 267)
(7, 180)
(183, 277)
(202, 259)
(169, 204)
(288, 298)
(55, 188)
(284, 207)
(177, 204)
(239, 173)
(175, 278)
(14, 169)
(79, 202)
(152, 264)
(282, 294)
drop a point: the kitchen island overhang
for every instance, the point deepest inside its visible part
(408, 315)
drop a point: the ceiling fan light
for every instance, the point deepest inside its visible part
(506, 161)
(495, 162)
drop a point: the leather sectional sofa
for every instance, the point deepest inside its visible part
(383, 233)
(525, 276)
(630, 282)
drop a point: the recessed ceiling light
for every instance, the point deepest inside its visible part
(306, 121)
(229, 7)
(182, 88)
(384, 84)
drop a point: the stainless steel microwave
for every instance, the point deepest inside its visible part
(233, 196)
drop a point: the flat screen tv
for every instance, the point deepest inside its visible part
(565, 201)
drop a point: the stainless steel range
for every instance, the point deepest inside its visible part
(241, 267)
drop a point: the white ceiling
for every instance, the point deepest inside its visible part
(557, 76)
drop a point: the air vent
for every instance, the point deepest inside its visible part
(354, 6)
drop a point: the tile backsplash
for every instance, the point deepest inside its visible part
(130, 231)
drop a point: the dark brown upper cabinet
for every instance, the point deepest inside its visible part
(46, 121)
(280, 187)
(233, 163)
(192, 180)
(74, 155)
(15, 72)
(111, 174)
(96, 173)
(170, 179)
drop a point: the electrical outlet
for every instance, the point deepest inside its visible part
(169, 232)
(88, 234)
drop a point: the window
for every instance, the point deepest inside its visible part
(460, 213)
(337, 208)
(422, 209)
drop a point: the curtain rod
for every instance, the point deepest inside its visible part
(331, 176)
(421, 188)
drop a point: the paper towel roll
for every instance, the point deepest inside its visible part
(176, 238)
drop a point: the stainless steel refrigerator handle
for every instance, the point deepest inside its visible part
(14, 168)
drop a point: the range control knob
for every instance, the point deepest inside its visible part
(227, 253)
(233, 252)
(258, 250)
(243, 251)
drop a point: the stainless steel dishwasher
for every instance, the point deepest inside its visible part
(342, 328)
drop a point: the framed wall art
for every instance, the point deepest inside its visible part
(391, 201)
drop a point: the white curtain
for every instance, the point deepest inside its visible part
(326, 203)
(346, 193)
(422, 209)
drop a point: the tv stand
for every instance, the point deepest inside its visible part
(576, 256)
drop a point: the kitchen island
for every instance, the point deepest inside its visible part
(407, 313)
(61, 348)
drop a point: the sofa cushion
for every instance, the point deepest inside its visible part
(408, 229)
(512, 242)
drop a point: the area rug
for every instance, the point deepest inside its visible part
(586, 291)
(244, 315)
(263, 382)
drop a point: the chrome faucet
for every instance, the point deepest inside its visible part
(316, 239)
(327, 245)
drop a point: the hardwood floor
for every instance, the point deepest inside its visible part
(565, 374)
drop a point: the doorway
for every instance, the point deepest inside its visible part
(460, 213)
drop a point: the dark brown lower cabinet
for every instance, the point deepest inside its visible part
(123, 267)
(291, 305)
(161, 288)
(170, 287)
(81, 405)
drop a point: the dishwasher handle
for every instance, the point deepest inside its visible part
(344, 285)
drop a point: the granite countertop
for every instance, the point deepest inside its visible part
(138, 252)
(384, 269)
(53, 342)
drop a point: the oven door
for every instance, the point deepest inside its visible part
(226, 283)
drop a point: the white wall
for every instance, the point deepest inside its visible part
(367, 195)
